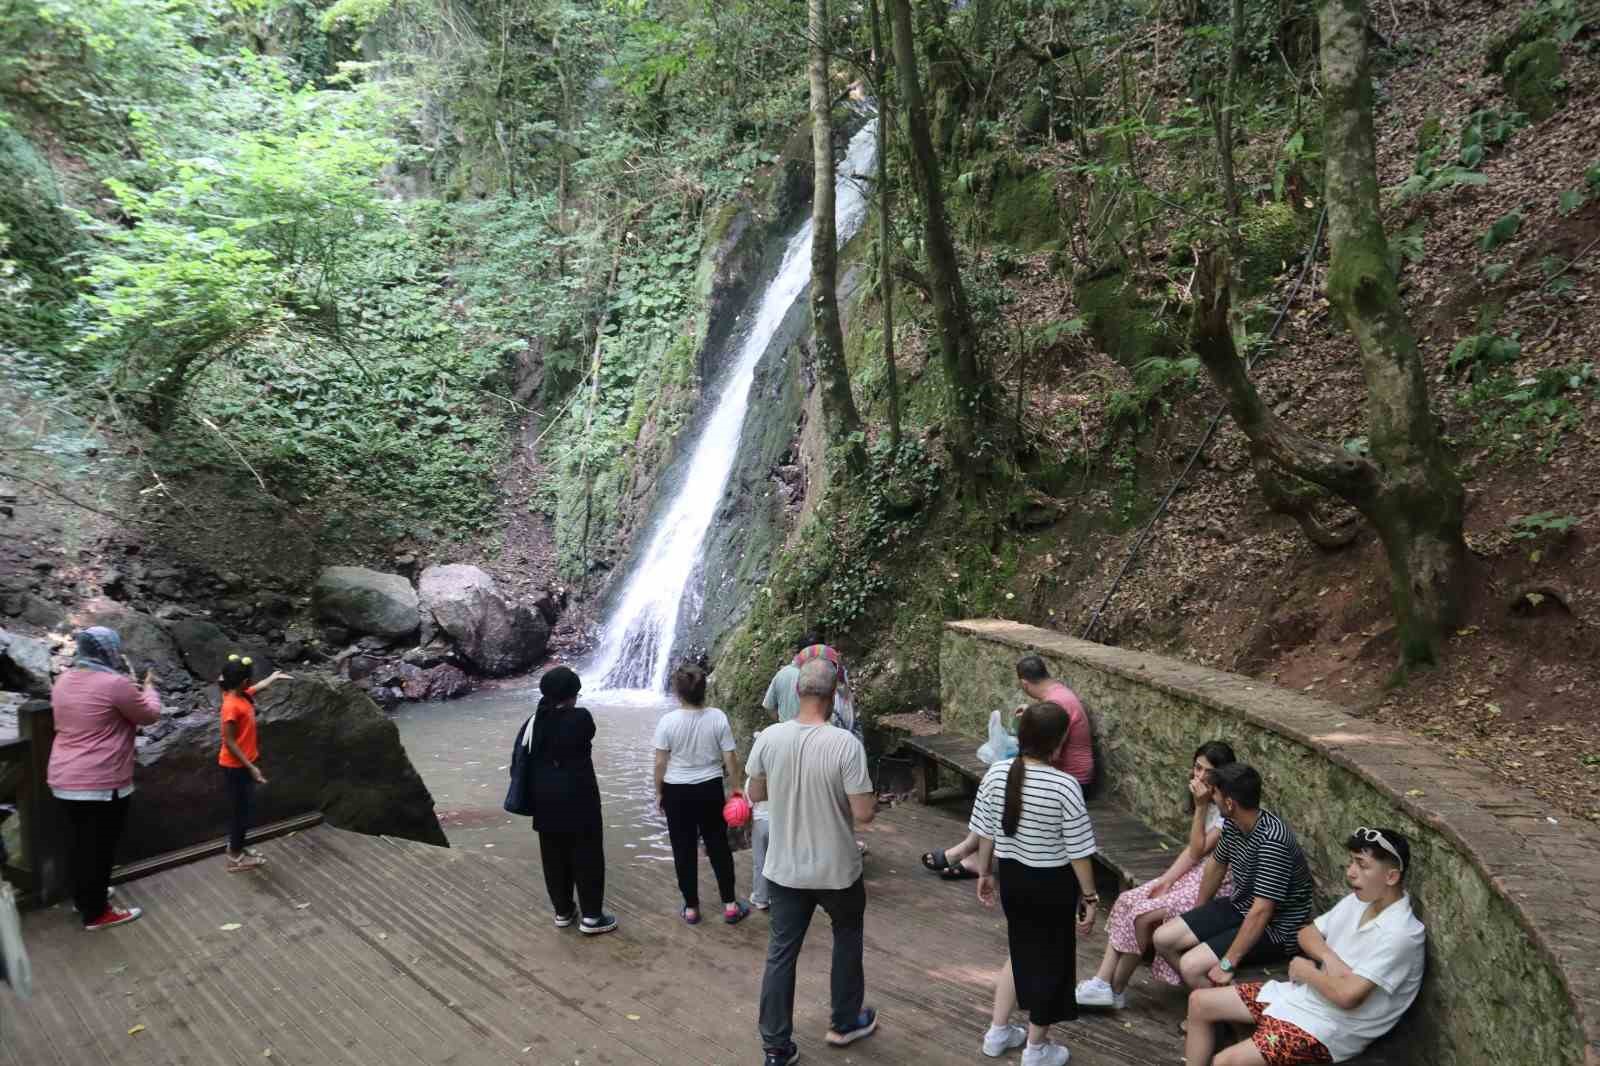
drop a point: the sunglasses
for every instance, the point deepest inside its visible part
(245, 659)
(1373, 836)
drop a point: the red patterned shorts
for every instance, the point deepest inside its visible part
(1280, 1043)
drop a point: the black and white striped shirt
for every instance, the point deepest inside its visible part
(1054, 827)
(1267, 863)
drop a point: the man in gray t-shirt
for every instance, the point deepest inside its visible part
(782, 700)
(814, 777)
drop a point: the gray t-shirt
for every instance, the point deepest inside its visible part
(696, 738)
(811, 770)
(783, 693)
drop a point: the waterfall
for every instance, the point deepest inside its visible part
(636, 644)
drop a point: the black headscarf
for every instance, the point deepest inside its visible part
(558, 686)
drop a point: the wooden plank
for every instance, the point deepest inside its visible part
(205, 849)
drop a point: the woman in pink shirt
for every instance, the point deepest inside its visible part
(97, 710)
(1075, 757)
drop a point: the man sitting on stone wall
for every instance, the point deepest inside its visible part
(1271, 898)
(1361, 969)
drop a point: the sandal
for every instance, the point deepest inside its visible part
(935, 860)
(691, 915)
(958, 872)
(737, 915)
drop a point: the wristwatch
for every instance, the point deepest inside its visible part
(1225, 965)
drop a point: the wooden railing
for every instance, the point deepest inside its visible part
(39, 870)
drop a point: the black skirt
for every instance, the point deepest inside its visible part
(1041, 905)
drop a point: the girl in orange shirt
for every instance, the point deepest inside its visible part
(240, 750)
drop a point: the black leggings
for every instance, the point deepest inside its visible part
(96, 826)
(241, 789)
(693, 812)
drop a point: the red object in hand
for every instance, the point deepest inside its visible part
(736, 812)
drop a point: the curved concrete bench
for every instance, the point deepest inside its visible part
(1511, 896)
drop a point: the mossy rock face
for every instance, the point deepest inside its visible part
(1271, 235)
(38, 233)
(1023, 211)
(1128, 329)
(1531, 77)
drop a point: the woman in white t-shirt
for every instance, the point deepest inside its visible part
(1139, 911)
(694, 748)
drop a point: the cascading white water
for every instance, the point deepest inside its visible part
(636, 644)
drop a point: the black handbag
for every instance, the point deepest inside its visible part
(519, 794)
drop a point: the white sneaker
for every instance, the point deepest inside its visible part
(1001, 1039)
(1094, 992)
(1046, 1054)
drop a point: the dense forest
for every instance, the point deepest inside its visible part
(1259, 333)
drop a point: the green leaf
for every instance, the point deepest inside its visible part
(1570, 201)
(1502, 230)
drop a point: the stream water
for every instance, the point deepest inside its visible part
(462, 749)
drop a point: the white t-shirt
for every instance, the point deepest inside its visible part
(696, 737)
(1213, 818)
(1389, 951)
(1053, 826)
(811, 771)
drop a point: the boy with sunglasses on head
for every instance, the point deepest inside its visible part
(240, 750)
(1361, 969)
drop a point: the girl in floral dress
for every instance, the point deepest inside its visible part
(1139, 911)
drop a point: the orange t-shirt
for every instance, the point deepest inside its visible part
(240, 710)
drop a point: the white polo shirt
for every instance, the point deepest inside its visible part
(1388, 951)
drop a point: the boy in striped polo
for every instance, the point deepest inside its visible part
(1271, 890)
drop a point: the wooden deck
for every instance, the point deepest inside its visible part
(362, 950)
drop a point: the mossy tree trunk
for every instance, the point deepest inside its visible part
(1407, 490)
(958, 339)
(880, 71)
(839, 413)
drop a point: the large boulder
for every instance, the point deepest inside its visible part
(145, 641)
(324, 746)
(496, 636)
(24, 664)
(205, 647)
(366, 601)
(441, 682)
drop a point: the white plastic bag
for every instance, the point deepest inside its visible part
(1000, 745)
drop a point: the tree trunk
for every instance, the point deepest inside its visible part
(957, 337)
(1420, 517)
(1223, 114)
(839, 414)
(885, 213)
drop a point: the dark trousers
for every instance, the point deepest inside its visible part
(790, 917)
(574, 860)
(1041, 907)
(241, 789)
(695, 812)
(96, 826)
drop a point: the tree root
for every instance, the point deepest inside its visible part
(1300, 505)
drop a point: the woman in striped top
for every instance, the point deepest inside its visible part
(1031, 818)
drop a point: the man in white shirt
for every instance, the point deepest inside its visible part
(1361, 969)
(814, 777)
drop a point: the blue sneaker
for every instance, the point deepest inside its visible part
(604, 923)
(866, 1024)
(784, 1056)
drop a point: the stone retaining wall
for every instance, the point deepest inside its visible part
(1508, 893)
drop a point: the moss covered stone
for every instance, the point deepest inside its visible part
(1023, 211)
(1127, 328)
(1271, 235)
(1532, 77)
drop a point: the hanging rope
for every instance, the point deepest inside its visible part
(1211, 430)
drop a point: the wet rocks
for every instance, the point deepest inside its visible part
(366, 601)
(324, 746)
(497, 637)
(24, 664)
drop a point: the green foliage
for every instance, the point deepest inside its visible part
(1533, 526)
(1517, 412)
(1500, 231)
(1532, 77)
(1480, 353)
(1561, 19)
(1572, 199)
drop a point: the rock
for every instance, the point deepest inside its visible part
(113, 583)
(431, 654)
(442, 682)
(205, 647)
(275, 605)
(495, 636)
(406, 563)
(145, 642)
(290, 651)
(38, 611)
(24, 664)
(548, 608)
(366, 601)
(324, 746)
